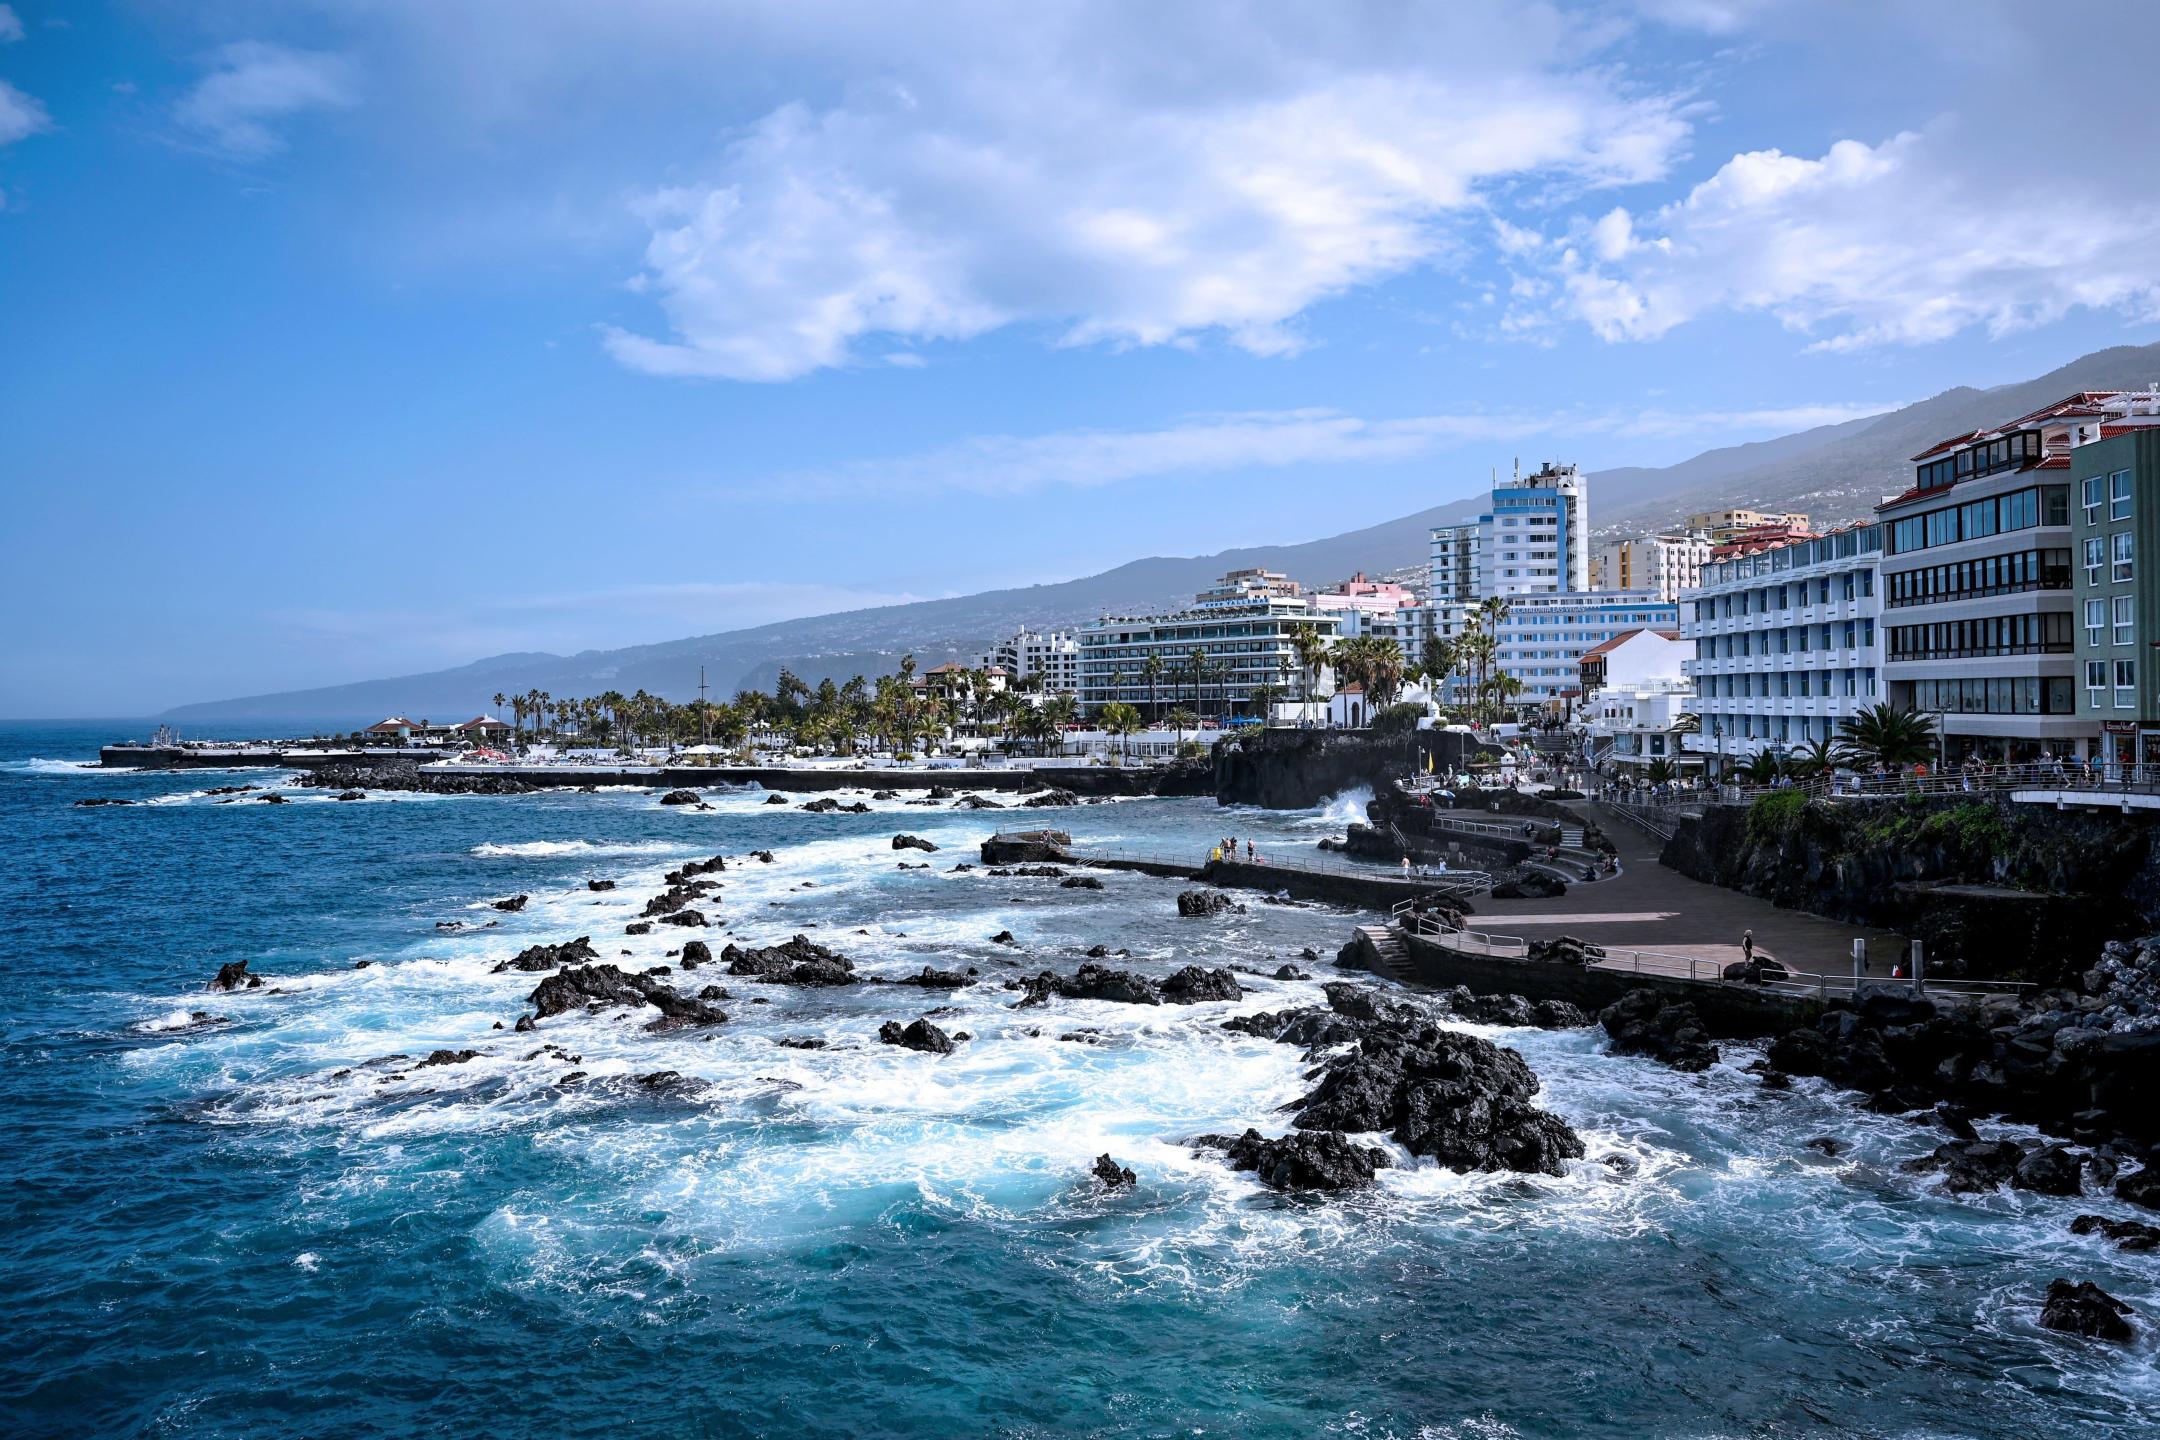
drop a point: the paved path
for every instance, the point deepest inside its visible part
(1649, 907)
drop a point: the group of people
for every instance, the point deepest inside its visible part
(1226, 849)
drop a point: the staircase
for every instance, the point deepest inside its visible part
(1391, 958)
(1571, 837)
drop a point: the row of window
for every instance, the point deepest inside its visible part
(2015, 695)
(2113, 491)
(1851, 585)
(2044, 634)
(1787, 685)
(1787, 728)
(1977, 519)
(2012, 450)
(2121, 621)
(2122, 672)
(2115, 554)
(1788, 640)
(1970, 579)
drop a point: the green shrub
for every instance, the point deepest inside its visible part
(1773, 815)
(1398, 719)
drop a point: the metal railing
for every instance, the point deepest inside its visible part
(1697, 969)
(1994, 780)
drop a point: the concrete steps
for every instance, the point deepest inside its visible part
(1391, 958)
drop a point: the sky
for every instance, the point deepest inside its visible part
(351, 338)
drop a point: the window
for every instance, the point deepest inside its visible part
(2095, 557)
(2125, 619)
(2122, 543)
(2119, 495)
(2090, 493)
(2096, 680)
(2096, 621)
(2126, 684)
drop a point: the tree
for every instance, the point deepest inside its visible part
(1817, 757)
(1312, 654)
(1763, 768)
(1890, 736)
(1660, 771)
(1181, 720)
(1263, 700)
(1119, 719)
(1152, 669)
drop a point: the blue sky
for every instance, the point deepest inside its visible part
(345, 339)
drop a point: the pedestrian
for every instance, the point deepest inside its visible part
(1406, 867)
(1747, 946)
(1248, 850)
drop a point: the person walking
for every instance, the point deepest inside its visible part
(1747, 947)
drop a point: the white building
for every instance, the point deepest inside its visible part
(1541, 639)
(1636, 660)
(1787, 645)
(1663, 564)
(1629, 727)
(1245, 626)
(1055, 656)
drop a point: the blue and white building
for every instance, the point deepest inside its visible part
(1788, 644)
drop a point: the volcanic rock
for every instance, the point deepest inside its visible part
(2085, 1309)
(679, 797)
(2127, 1234)
(512, 905)
(550, 957)
(912, 842)
(1194, 986)
(606, 985)
(1113, 1175)
(1080, 882)
(234, 976)
(1305, 1160)
(1643, 1022)
(916, 1035)
(1204, 902)
(797, 961)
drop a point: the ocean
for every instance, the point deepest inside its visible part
(269, 1223)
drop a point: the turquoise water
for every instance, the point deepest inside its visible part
(261, 1227)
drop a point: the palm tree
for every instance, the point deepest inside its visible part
(1763, 768)
(1181, 720)
(1660, 771)
(1152, 669)
(1889, 736)
(1312, 654)
(1119, 719)
(500, 701)
(1383, 669)
(1817, 757)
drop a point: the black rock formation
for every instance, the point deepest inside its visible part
(797, 961)
(1303, 1160)
(916, 1035)
(2085, 1309)
(1643, 1022)
(551, 957)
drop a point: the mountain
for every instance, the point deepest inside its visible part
(853, 642)
(1850, 467)
(1833, 472)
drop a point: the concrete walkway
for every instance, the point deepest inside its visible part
(1649, 907)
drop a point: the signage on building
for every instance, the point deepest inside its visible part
(2119, 727)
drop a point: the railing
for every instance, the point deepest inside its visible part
(1997, 779)
(1462, 881)
(1697, 969)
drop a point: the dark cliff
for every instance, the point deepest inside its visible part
(1295, 769)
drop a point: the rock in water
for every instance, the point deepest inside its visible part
(606, 985)
(512, 905)
(447, 1057)
(1091, 982)
(2143, 1188)
(2051, 1170)
(1203, 902)
(912, 842)
(234, 976)
(798, 961)
(1113, 1175)
(598, 885)
(2085, 1309)
(551, 957)
(2127, 1234)
(1308, 1160)
(916, 1035)
(1642, 1022)
(1969, 1167)
(679, 797)
(1193, 986)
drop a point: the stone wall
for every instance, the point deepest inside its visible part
(1997, 890)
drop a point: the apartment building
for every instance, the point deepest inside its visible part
(1662, 564)
(1980, 611)
(1787, 644)
(1245, 626)
(2114, 529)
(1053, 655)
(1541, 639)
(1722, 525)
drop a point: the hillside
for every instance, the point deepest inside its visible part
(1833, 472)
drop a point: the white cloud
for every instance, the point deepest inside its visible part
(1074, 174)
(11, 27)
(20, 115)
(1260, 440)
(233, 109)
(1897, 243)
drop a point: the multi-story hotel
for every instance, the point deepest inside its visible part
(1246, 626)
(1724, 525)
(1787, 644)
(1541, 639)
(1665, 565)
(2114, 532)
(1979, 609)
(1055, 656)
